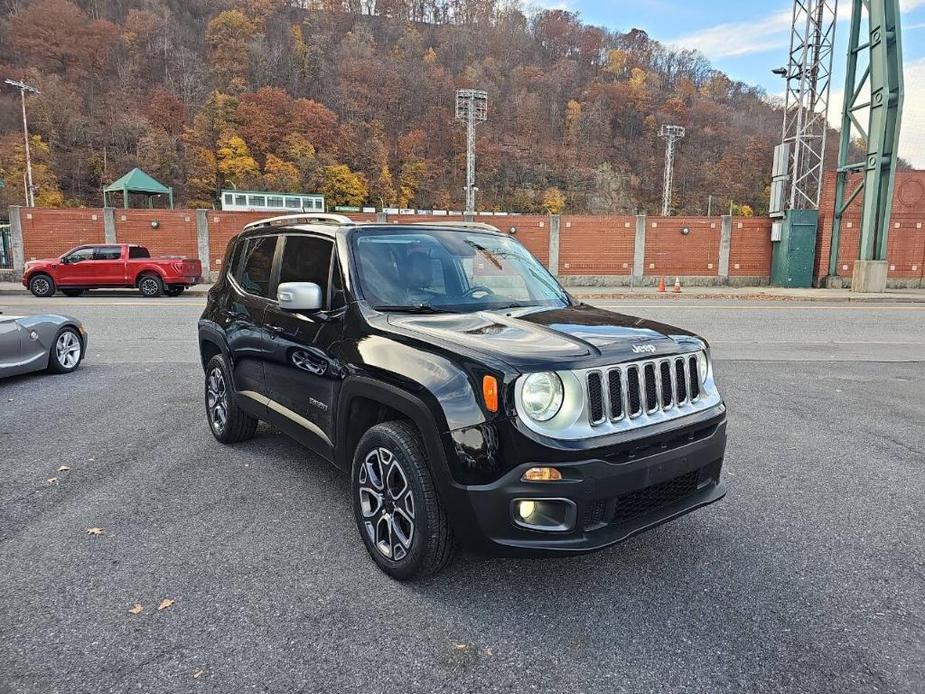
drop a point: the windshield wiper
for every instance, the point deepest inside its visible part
(412, 308)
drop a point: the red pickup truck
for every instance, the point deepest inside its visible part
(111, 265)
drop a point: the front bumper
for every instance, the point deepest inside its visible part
(614, 497)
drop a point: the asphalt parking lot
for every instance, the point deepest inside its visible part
(808, 577)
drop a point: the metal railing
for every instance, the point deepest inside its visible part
(6, 247)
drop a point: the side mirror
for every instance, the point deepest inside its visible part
(299, 296)
(65, 260)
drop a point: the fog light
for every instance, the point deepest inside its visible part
(542, 474)
(544, 514)
(526, 508)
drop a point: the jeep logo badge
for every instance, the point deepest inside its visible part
(638, 349)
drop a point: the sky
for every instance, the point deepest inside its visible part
(747, 38)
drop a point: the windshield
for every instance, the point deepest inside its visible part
(450, 270)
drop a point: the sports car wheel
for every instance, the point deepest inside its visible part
(150, 286)
(42, 285)
(66, 352)
(228, 422)
(400, 519)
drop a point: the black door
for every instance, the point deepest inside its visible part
(302, 372)
(242, 314)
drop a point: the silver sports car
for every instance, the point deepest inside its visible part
(33, 343)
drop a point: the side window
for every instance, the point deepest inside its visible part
(80, 254)
(107, 253)
(256, 265)
(307, 259)
(338, 293)
(138, 252)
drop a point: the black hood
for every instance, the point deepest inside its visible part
(529, 336)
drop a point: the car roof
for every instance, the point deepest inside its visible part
(332, 224)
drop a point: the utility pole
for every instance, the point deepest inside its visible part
(471, 107)
(671, 134)
(23, 88)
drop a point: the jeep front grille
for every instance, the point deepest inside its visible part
(643, 388)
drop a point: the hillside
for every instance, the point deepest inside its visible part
(268, 94)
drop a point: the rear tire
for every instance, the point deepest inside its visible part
(228, 422)
(150, 286)
(395, 504)
(72, 292)
(42, 286)
(66, 352)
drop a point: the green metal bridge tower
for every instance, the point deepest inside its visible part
(877, 88)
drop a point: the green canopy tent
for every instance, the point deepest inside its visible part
(137, 181)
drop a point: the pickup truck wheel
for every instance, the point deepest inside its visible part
(42, 285)
(401, 520)
(72, 292)
(66, 351)
(228, 422)
(150, 286)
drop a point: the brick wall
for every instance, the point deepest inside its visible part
(175, 233)
(906, 242)
(750, 250)
(671, 252)
(595, 245)
(49, 233)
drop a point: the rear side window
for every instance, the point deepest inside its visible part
(307, 259)
(256, 265)
(138, 252)
(107, 253)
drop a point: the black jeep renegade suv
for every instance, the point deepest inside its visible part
(469, 396)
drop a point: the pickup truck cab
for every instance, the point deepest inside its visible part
(469, 397)
(111, 266)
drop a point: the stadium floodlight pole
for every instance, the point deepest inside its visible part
(671, 134)
(23, 88)
(471, 107)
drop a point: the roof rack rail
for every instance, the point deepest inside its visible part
(303, 218)
(460, 225)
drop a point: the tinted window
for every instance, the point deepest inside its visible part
(138, 252)
(107, 253)
(256, 265)
(338, 293)
(80, 254)
(306, 259)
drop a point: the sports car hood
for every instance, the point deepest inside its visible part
(540, 335)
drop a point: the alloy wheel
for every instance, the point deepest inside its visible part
(387, 504)
(40, 286)
(67, 350)
(149, 286)
(217, 399)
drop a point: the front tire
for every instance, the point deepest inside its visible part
(395, 504)
(42, 286)
(228, 422)
(150, 286)
(66, 352)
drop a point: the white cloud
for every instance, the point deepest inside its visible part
(909, 5)
(912, 128)
(740, 38)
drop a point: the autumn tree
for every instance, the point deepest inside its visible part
(234, 160)
(227, 36)
(553, 201)
(341, 186)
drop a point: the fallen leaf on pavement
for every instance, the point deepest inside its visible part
(63, 468)
(52, 480)
(165, 603)
(136, 608)
(197, 674)
(94, 531)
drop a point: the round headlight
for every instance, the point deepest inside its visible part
(703, 365)
(542, 395)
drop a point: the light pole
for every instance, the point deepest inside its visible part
(671, 134)
(23, 88)
(471, 107)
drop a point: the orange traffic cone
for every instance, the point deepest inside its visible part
(661, 285)
(677, 285)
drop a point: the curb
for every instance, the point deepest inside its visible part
(668, 298)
